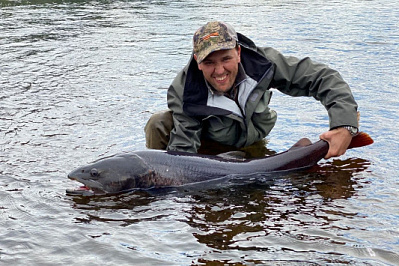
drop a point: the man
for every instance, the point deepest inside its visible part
(223, 95)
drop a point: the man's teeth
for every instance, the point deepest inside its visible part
(221, 78)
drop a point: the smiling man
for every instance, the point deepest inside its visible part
(220, 68)
(223, 95)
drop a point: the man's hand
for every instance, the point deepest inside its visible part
(338, 139)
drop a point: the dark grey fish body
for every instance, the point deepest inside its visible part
(154, 168)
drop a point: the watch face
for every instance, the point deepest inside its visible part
(352, 130)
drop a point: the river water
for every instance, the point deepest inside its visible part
(78, 81)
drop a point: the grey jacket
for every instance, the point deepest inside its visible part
(200, 113)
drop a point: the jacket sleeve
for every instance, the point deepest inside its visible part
(303, 77)
(186, 134)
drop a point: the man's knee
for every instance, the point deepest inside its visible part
(157, 130)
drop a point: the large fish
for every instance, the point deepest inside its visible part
(159, 169)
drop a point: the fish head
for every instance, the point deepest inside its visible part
(110, 175)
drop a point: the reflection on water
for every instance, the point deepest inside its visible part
(78, 81)
(339, 178)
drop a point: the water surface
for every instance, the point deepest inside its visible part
(79, 79)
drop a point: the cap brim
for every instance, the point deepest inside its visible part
(226, 46)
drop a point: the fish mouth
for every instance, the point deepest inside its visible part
(84, 190)
(80, 191)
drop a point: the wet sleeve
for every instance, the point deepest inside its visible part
(186, 133)
(303, 77)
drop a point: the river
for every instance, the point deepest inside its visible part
(78, 81)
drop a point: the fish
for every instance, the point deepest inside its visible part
(148, 169)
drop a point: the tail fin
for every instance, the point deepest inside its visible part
(360, 140)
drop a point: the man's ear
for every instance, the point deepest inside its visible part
(239, 53)
(195, 57)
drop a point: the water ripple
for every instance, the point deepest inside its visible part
(80, 78)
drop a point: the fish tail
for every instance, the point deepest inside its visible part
(360, 140)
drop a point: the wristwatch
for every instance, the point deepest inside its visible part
(352, 130)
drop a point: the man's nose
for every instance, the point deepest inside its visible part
(219, 69)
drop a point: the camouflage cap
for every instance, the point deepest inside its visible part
(211, 37)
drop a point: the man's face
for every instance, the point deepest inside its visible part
(220, 68)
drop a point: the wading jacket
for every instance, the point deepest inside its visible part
(199, 112)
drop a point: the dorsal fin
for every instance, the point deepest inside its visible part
(233, 155)
(301, 143)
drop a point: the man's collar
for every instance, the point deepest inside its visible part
(241, 75)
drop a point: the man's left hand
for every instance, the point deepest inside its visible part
(338, 139)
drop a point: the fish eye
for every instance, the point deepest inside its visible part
(94, 172)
